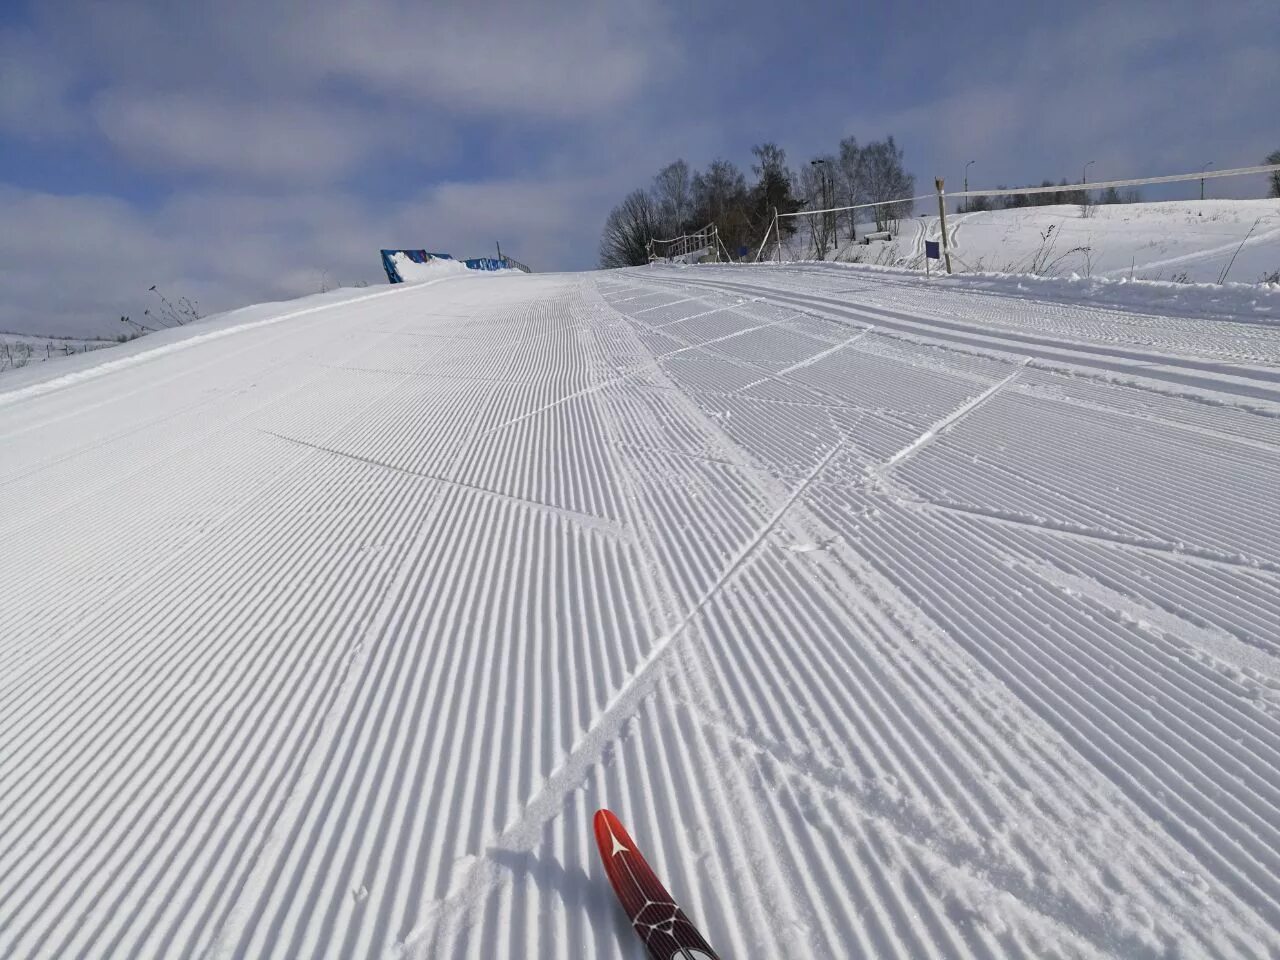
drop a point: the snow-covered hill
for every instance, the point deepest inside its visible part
(1185, 241)
(896, 619)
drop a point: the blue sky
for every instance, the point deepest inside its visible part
(239, 151)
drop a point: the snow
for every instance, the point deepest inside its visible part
(411, 271)
(18, 350)
(1180, 242)
(1189, 240)
(894, 617)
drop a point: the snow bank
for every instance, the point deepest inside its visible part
(37, 379)
(1185, 241)
(1239, 302)
(1189, 240)
(434, 269)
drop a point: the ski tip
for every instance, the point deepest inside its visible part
(607, 827)
(654, 914)
(606, 818)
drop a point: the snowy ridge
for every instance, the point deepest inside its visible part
(895, 621)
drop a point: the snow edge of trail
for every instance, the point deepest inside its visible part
(42, 387)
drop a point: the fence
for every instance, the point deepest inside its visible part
(13, 356)
(485, 263)
(704, 244)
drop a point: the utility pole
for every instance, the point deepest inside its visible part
(942, 221)
(1202, 170)
(966, 183)
(498, 244)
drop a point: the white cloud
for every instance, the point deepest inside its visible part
(253, 139)
(69, 263)
(563, 61)
(33, 90)
(505, 58)
(74, 264)
(258, 90)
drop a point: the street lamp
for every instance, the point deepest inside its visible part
(1084, 174)
(822, 172)
(1202, 170)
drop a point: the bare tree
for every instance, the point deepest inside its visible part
(885, 178)
(720, 197)
(772, 191)
(673, 195)
(850, 183)
(814, 191)
(628, 230)
(1112, 195)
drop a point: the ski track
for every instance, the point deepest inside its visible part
(893, 621)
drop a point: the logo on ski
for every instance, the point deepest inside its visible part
(655, 916)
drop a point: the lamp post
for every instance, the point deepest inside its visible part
(1084, 174)
(1202, 170)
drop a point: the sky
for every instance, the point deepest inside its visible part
(246, 150)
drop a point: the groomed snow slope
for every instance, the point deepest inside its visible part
(895, 620)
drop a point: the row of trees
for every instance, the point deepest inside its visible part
(681, 200)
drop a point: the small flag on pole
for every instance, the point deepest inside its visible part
(932, 250)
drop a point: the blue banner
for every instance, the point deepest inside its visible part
(422, 256)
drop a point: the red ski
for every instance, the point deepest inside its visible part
(656, 917)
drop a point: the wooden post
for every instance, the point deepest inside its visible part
(942, 219)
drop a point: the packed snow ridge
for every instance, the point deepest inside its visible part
(895, 618)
